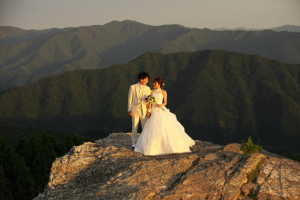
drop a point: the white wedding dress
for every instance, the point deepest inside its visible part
(162, 133)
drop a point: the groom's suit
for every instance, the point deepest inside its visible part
(136, 98)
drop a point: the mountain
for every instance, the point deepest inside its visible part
(217, 95)
(11, 35)
(289, 28)
(109, 169)
(27, 56)
(237, 29)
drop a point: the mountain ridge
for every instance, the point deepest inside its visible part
(54, 51)
(288, 28)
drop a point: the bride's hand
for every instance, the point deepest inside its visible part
(159, 105)
(148, 106)
(148, 114)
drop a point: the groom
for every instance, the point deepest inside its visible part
(136, 104)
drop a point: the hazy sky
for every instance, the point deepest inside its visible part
(41, 14)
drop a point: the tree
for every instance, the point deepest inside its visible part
(22, 141)
(16, 175)
(35, 159)
(68, 143)
(48, 148)
(5, 193)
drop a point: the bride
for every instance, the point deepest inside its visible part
(162, 133)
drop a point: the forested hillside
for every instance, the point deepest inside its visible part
(10, 134)
(218, 96)
(25, 169)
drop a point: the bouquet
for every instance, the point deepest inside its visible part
(152, 101)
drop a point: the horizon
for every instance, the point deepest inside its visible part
(150, 25)
(216, 14)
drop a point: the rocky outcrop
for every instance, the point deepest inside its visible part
(109, 169)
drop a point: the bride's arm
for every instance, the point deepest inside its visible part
(164, 93)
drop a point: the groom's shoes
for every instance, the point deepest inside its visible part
(133, 146)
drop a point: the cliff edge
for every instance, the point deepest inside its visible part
(109, 169)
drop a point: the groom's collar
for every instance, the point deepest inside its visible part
(140, 84)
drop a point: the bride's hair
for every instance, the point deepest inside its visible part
(160, 81)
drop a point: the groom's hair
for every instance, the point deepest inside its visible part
(143, 75)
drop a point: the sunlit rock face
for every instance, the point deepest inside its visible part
(109, 169)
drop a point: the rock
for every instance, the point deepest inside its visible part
(232, 191)
(247, 188)
(279, 179)
(109, 169)
(210, 156)
(209, 181)
(234, 147)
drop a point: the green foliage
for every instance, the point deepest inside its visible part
(48, 144)
(29, 55)
(252, 176)
(249, 147)
(25, 171)
(16, 179)
(297, 157)
(35, 159)
(10, 134)
(5, 192)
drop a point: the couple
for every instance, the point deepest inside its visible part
(162, 133)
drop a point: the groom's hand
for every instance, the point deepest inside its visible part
(148, 106)
(130, 114)
(148, 114)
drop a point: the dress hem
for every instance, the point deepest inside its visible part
(161, 154)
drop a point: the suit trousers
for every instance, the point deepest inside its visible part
(138, 115)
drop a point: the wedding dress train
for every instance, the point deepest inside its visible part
(162, 133)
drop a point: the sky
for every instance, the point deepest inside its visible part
(254, 14)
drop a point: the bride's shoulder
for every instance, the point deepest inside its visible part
(164, 91)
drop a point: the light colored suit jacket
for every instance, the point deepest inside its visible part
(135, 97)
